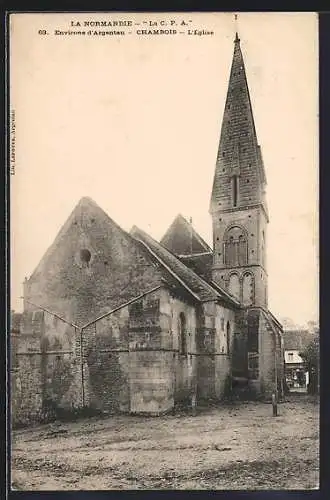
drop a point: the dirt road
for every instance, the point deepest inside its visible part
(239, 446)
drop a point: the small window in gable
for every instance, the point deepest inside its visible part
(85, 256)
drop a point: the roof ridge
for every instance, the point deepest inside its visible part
(180, 263)
(169, 269)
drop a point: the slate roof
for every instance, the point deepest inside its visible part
(200, 264)
(202, 290)
(239, 152)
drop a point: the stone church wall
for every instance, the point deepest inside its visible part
(127, 361)
(184, 364)
(214, 349)
(271, 356)
(223, 347)
(25, 381)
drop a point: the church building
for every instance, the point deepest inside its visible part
(118, 321)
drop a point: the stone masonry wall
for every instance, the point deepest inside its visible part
(223, 347)
(271, 355)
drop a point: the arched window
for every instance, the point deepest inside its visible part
(182, 334)
(234, 187)
(234, 286)
(235, 247)
(228, 337)
(248, 289)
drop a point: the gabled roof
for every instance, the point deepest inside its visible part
(98, 231)
(197, 286)
(85, 206)
(182, 239)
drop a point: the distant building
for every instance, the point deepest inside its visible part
(295, 342)
(121, 322)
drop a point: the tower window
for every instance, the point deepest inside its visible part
(235, 190)
(235, 247)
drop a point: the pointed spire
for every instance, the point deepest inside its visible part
(238, 146)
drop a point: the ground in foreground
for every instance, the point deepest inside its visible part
(238, 446)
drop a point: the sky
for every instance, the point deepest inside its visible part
(134, 123)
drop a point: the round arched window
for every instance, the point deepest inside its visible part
(235, 246)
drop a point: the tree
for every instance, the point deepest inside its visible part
(311, 359)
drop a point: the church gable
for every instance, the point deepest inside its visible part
(92, 264)
(182, 239)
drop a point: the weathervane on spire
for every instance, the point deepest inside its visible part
(237, 40)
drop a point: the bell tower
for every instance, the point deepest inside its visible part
(238, 201)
